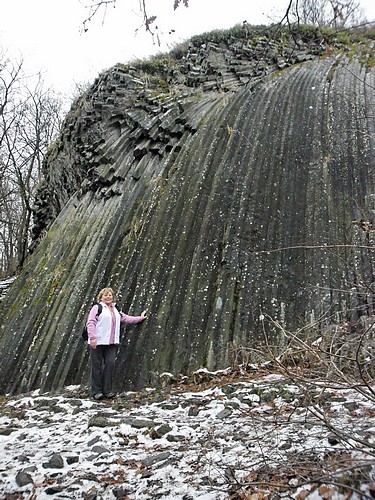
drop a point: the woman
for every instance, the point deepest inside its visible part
(103, 336)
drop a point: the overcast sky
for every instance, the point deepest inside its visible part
(48, 34)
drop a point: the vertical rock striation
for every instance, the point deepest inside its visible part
(211, 192)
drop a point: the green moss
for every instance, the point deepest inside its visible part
(154, 65)
(164, 86)
(160, 86)
(238, 31)
(364, 52)
(179, 50)
(366, 56)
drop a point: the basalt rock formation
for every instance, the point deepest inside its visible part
(228, 187)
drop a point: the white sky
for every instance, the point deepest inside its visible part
(48, 35)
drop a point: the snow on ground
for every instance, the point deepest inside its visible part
(4, 285)
(245, 438)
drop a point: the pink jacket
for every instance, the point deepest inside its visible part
(103, 329)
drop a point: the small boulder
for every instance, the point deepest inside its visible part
(55, 462)
(23, 478)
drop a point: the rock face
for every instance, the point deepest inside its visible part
(212, 187)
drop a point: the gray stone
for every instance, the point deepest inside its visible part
(227, 412)
(154, 459)
(7, 431)
(23, 478)
(93, 441)
(100, 421)
(55, 462)
(99, 449)
(163, 429)
(139, 423)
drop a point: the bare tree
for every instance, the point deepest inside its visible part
(29, 120)
(96, 6)
(329, 13)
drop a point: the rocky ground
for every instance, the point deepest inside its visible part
(236, 434)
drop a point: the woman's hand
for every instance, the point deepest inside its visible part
(144, 314)
(93, 343)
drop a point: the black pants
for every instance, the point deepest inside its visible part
(102, 368)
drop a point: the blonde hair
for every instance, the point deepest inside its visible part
(104, 291)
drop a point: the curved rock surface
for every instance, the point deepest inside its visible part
(226, 185)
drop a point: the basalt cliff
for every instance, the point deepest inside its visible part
(228, 187)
